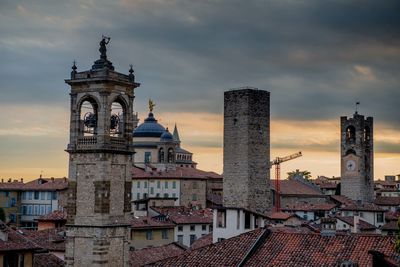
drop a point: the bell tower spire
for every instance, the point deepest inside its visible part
(100, 161)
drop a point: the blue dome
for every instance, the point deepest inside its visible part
(167, 136)
(149, 128)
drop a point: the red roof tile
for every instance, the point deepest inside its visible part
(390, 226)
(15, 241)
(48, 184)
(202, 241)
(286, 249)
(50, 239)
(309, 207)
(46, 260)
(279, 215)
(392, 215)
(14, 186)
(56, 215)
(183, 215)
(178, 173)
(149, 255)
(363, 207)
(293, 187)
(387, 201)
(342, 200)
(145, 222)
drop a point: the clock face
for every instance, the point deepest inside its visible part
(350, 165)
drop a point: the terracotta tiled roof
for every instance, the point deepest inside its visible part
(342, 200)
(293, 187)
(390, 226)
(309, 207)
(145, 222)
(15, 185)
(363, 207)
(279, 215)
(183, 215)
(56, 215)
(392, 215)
(48, 184)
(202, 241)
(362, 224)
(50, 239)
(387, 201)
(179, 172)
(46, 260)
(286, 249)
(215, 199)
(15, 241)
(149, 255)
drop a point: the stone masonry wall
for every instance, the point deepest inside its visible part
(246, 181)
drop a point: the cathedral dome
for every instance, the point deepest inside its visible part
(167, 136)
(149, 128)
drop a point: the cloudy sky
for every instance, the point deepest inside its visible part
(317, 58)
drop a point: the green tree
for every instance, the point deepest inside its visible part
(297, 173)
(2, 215)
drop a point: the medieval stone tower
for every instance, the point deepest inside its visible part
(100, 161)
(357, 158)
(247, 150)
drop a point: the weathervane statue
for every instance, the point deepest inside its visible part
(103, 50)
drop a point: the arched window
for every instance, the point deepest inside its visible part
(350, 151)
(117, 118)
(161, 155)
(88, 117)
(170, 155)
(350, 134)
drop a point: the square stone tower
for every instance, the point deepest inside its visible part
(100, 163)
(357, 158)
(247, 150)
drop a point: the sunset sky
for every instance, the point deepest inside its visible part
(317, 58)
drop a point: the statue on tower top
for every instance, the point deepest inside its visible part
(103, 50)
(151, 105)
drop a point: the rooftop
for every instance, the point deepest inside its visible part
(179, 172)
(387, 201)
(15, 241)
(50, 239)
(56, 215)
(309, 207)
(150, 255)
(183, 215)
(263, 247)
(146, 222)
(293, 187)
(363, 225)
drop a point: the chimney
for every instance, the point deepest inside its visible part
(356, 224)
(52, 179)
(22, 180)
(2, 180)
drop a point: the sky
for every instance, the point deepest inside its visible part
(317, 58)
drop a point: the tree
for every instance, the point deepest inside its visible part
(303, 174)
(2, 215)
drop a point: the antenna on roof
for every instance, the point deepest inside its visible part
(357, 104)
(41, 174)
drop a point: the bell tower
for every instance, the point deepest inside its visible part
(100, 161)
(357, 158)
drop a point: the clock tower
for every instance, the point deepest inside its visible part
(357, 158)
(100, 162)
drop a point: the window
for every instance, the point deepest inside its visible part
(180, 228)
(166, 195)
(138, 184)
(170, 155)
(24, 210)
(42, 209)
(192, 227)
(221, 218)
(48, 209)
(220, 239)
(55, 195)
(158, 184)
(36, 194)
(151, 190)
(164, 234)
(13, 202)
(379, 217)
(247, 220)
(344, 225)
(194, 197)
(36, 210)
(173, 195)
(180, 239)
(7, 194)
(166, 184)
(361, 214)
(194, 185)
(174, 184)
(145, 184)
(147, 157)
(49, 195)
(305, 217)
(161, 155)
(23, 195)
(192, 239)
(204, 227)
(30, 195)
(158, 195)
(149, 235)
(30, 210)
(238, 220)
(42, 195)
(138, 196)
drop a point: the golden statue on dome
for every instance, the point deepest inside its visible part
(151, 105)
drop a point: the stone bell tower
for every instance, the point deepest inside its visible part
(100, 160)
(357, 158)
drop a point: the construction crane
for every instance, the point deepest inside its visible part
(277, 162)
